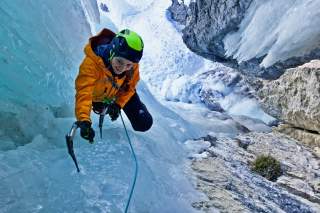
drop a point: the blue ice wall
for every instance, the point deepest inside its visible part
(40, 52)
(41, 48)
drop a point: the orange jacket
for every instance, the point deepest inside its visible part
(95, 82)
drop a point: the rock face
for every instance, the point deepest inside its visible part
(295, 99)
(208, 23)
(222, 167)
(178, 12)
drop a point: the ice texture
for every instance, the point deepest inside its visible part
(276, 29)
(41, 46)
(40, 52)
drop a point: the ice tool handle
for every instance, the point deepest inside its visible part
(101, 118)
(69, 141)
(107, 102)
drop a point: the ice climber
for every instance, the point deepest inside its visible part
(108, 77)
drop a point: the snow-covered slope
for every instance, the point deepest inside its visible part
(171, 70)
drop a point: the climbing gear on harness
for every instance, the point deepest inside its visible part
(113, 111)
(69, 141)
(109, 100)
(98, 107)
(127, 44)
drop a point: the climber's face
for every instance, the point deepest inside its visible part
(121, 65)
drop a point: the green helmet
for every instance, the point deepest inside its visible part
(127, 44)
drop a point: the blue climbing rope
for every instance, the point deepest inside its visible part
(136, 164)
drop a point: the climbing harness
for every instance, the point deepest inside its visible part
(69, 141)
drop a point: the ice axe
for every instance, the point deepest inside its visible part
(101, 118)
(69, 141)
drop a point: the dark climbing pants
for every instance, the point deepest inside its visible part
(140, 119)
(136, 111)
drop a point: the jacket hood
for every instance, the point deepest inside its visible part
(104, 37)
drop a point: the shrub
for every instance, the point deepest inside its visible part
(267, 167)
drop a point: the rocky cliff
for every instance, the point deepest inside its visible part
(222, 167)
(295, 99)
(249, 35)
(223, 31)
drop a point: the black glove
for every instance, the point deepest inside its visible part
(113, 111)
(86, 131)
